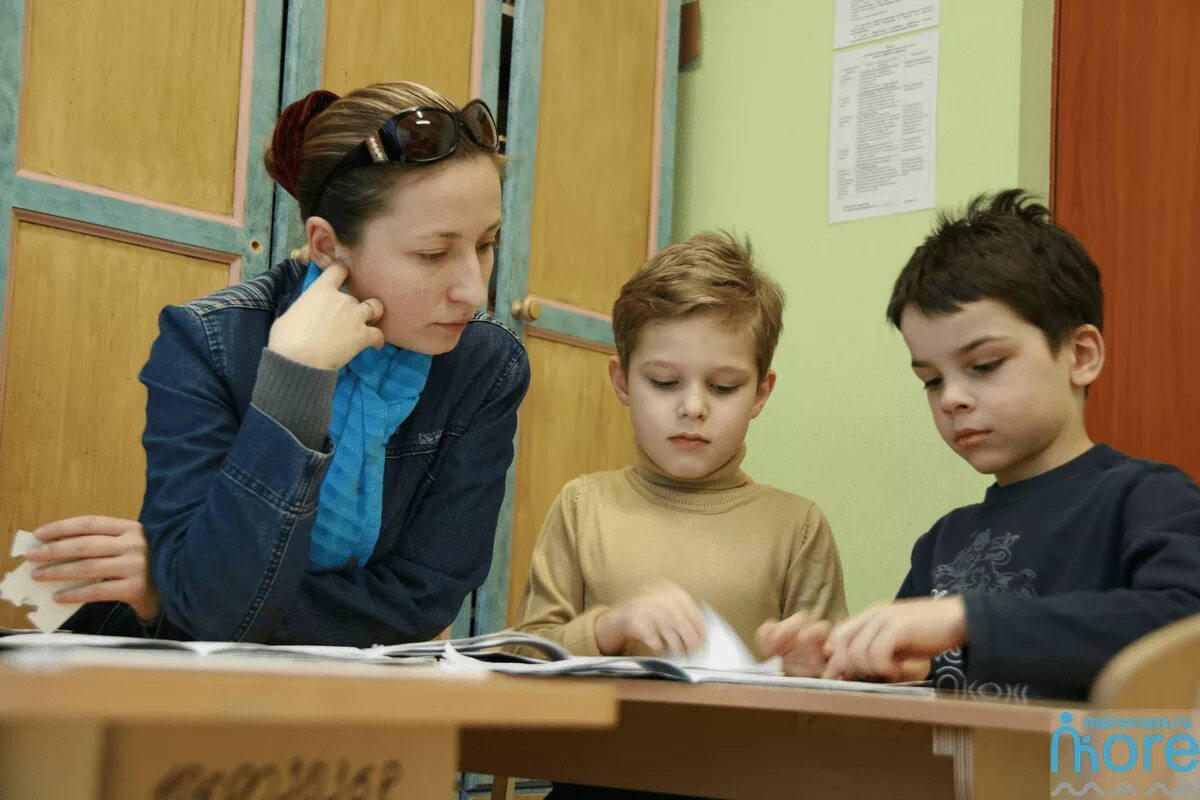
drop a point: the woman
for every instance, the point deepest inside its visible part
(327, 444)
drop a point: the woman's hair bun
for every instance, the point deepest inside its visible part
(282, 158)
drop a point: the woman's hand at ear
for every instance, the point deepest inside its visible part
(325, 328)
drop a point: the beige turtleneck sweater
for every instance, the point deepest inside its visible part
(751, 551)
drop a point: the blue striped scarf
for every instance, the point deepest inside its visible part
(375, 392)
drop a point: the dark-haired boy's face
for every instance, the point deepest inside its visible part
(999, 396)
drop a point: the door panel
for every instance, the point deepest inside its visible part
(391, 40)
(130, 178)
(592, 184)
(572, 419)
(590, 132)
(590, 116)
(82, 321)
(160, 98)
(1127, 183)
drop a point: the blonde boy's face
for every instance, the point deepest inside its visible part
(692, 389)
(1000, 398)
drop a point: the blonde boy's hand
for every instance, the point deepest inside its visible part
(663, 617)
(800, 640)
(896, 641)
(111, 552)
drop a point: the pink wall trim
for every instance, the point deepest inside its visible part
(477, 37)
(656, 145)
(245, 95)
(22, 92)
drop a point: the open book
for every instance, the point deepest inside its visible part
(469, 656)
(427, 652)
(664, 668)
(723, 659)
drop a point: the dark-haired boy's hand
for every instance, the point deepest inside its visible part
(799, 640)
(895, 641)
(663, 617)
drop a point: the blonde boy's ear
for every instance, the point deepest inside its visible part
(619, 382)
(765, 387)
(1087, 355)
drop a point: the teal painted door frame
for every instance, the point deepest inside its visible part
(303, 55)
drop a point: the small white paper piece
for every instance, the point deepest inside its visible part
(882, 128)
(859, 21)
(20, 589)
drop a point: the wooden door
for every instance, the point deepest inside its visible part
(590, 129)
(1126, 181)
(130, 178)
(452, 46)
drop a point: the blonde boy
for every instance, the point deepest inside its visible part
(625, 557)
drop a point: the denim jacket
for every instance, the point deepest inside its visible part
(231, 494)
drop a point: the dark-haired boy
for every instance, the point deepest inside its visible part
(1077, 549)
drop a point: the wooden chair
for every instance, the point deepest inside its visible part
(1159, 671)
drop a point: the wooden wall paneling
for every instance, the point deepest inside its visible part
(370, 41)
(593, 179)
(574, 423)
(79, 330)
(144, 102)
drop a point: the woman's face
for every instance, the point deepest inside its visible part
(428, 258)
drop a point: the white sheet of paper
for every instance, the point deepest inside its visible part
(723, 649)
(859, 21)
(20, 589)
(882, 128)
(915, 689)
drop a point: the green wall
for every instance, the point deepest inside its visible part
(848, 425)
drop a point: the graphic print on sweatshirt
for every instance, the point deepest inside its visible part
(979, 568)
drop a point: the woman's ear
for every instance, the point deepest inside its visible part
(323, 245)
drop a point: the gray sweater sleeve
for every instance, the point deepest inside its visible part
(298, 397)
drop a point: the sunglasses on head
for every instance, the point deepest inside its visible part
(419, 135)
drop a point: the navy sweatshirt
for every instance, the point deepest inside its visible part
(1060, 571)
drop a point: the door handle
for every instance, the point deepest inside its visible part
(527, 310)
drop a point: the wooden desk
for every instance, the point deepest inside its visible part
(765, 742)
(169, 730)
